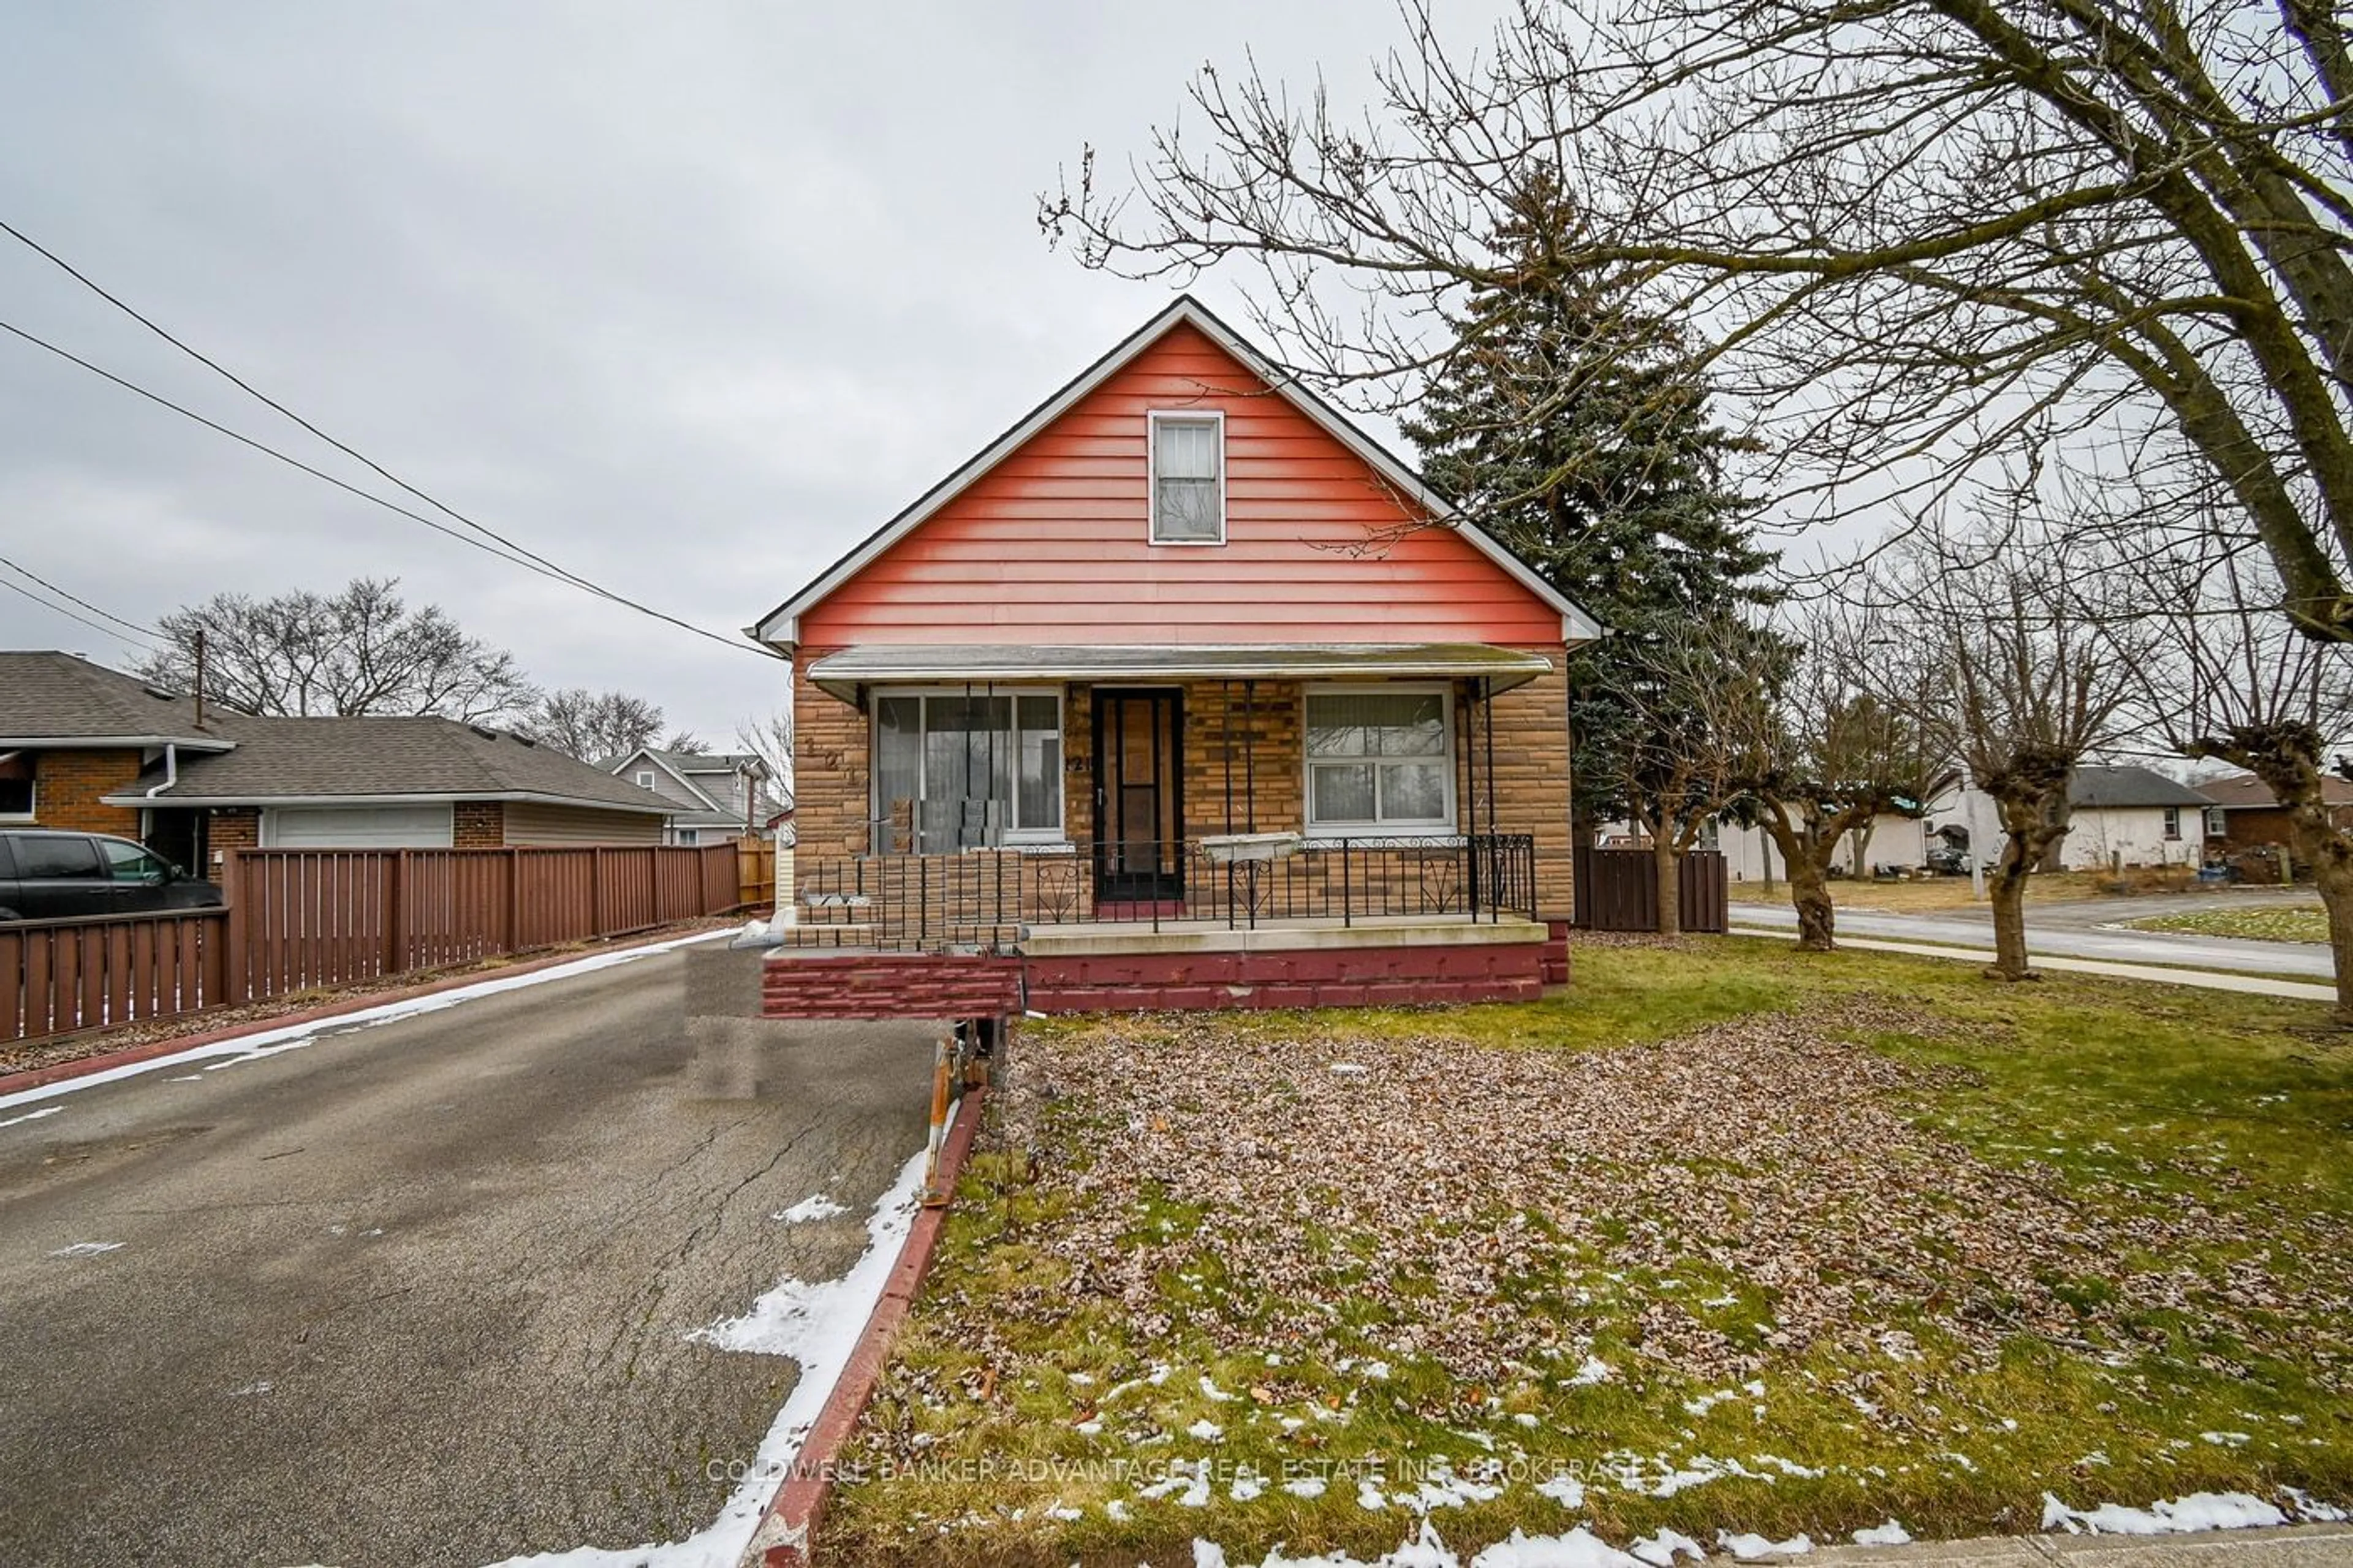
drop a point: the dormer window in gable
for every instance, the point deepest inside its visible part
(1188, 477)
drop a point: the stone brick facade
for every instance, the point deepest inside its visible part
(477, 824)
(1241, 767)
(68, 787)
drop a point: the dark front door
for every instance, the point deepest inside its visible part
(1139, 812)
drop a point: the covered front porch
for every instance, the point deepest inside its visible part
(1203, 808)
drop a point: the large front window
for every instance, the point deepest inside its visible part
(954, 770)
(1379, 760)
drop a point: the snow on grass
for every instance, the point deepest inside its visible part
(1888, 1534)
(1564, 1489)
(1662, 1548)
(817, 1205)
(2199, 1510)
(1750, 1548)
(266, 1043)
(818, 1325)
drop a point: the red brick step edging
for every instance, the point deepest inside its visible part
(787, 1534)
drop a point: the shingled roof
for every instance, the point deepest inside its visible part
(2113, 788)
(286, 760)
(46, 696)
(2244, 791)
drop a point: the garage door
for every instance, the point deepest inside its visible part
(357, 827)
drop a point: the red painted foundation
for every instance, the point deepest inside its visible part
(912, 985)
(1555, 953)
(891, 985)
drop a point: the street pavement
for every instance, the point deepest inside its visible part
(421, 1293)
(2080, 930)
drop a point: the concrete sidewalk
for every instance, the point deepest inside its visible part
(2204, 979)
(2291, 1546)
(2059, 929)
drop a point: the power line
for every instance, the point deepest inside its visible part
(524, 561)
(85, 604)
(57, 609)
(512, 551)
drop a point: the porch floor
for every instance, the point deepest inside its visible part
(1269, 936)
(1310, 962)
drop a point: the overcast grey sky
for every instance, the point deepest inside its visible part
(686, 297)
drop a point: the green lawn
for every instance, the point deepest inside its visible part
(2276, 923)
(1724, 1238)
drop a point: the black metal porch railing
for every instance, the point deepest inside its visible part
(983, 898)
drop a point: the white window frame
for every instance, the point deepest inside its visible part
(2217, 822)
(32, 799)
(2172, 825)
(1057, 836)
(1153, 421)
(645, 778)
(1446, 827)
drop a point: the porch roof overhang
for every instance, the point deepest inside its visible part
(842, 674)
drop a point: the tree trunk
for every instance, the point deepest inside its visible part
(2332, 874)
(1810, 890)
(1667, 868)
(2007, 888)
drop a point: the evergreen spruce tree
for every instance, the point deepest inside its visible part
(1571, 422)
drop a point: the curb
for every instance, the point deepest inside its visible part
(148, 1050)
(785, 1537)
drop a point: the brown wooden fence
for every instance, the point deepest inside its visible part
(1617, 889)
(298, 920)
(756, 872)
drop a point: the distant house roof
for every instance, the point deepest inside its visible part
(721, 791)
(2242, 792)
(288, 761)
(48, 697)
(2112, 787)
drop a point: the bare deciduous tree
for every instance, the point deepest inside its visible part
(361, 651)
(2220, 675)
(595, 727)
(1838, 754)
(1699, 704)
(2023, 653)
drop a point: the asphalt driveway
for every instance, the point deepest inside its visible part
(421, 1293)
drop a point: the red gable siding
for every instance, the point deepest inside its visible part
(1050, 546)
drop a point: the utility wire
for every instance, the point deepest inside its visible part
(85, 604)
(266, 450)
(512, 551)
(522, 560)
(58, 609)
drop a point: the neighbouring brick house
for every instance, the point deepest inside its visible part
(1184, 689)
(2245, 814)
(86, 747)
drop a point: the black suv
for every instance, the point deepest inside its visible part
(47, 874)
